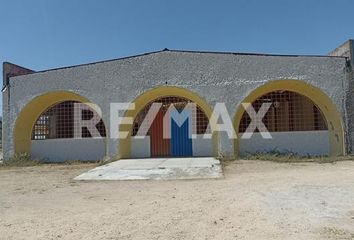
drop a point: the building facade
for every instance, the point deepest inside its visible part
(311, 100)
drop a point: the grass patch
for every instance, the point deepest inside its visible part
(284, 157)
(290, 157)
(21, 160)
(71, 162)
(107, 160)
(277, 156)
(25, 160)
(335, 233)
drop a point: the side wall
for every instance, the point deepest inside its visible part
(300, 142)
(59, 150)
(347, 50)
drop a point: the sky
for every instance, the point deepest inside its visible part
(44, 34)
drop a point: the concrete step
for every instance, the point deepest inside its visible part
(156, 169)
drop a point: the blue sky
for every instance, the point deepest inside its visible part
(42, 34)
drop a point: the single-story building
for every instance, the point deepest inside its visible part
(311, 103)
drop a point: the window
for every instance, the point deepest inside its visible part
(58, 122)
(289, 111)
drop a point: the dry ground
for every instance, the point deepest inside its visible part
(255, 200)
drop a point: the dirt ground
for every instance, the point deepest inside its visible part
(255, 200)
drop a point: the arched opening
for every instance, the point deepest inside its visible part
(301, 119)
(58, 121)
(56, 135)
(45, 129)
(179, 145)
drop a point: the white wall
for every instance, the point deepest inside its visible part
(300, 142)
(202, 147)
(59, 150)
(140, 147)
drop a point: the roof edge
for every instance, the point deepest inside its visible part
(183, 51)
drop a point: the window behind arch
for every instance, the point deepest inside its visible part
(289, 111)
(58, 122)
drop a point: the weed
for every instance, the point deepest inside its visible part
(20, 160)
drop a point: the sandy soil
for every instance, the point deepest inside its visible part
(255, 200)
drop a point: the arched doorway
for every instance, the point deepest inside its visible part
(134, 147)
(44, 128)
(302, 119)
(180, 142)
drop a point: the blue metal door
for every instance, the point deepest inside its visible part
(181, 142)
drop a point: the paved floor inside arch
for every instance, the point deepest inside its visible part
(156, 169)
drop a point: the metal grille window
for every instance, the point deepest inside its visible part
(58, 122)
(200, 123)
(289, 111)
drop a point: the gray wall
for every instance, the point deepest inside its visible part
(347, 50)
(61, 150)
(216, 77)
(303, 143)
(349, 111)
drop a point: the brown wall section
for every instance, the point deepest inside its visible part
(11, 70)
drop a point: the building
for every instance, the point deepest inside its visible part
(1, 129)
(311, 111)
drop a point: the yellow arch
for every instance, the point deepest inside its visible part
(141, 101)
(329, 110)
(30, 113)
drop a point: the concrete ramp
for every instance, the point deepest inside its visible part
(156, 169)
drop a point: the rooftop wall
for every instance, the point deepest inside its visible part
(345, 50)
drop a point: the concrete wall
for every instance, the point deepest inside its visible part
(300, 142)
(347, 50)
(140, 147)
(63, 149)
(215, 77)
(201, 147)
